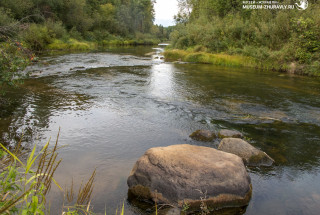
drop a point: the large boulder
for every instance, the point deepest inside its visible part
(250, 155)
(203, 135)
(223, 133)
(181, 174)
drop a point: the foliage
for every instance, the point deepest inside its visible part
(37, 37)
(93, 20)
(278, 37)
(22, 189)
(24, 185)
(14, 58)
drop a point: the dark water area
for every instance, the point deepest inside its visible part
(112, 106)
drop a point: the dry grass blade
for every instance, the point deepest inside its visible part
(84, 194)
(70, 193)
(49, 179)
(47, 166)
(42, 160)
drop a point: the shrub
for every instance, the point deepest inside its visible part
(6, 23)
(56, 29)
(199, 48)
(75, 34)
(314, 69)
(37, 37)
(14, 58)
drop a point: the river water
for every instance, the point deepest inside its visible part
(112, 106)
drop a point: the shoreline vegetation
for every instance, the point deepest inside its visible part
(25, 182)
(227, 60)
(82, 45)
(222, 32)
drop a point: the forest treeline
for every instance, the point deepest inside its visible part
(286, 40)
(40, 23)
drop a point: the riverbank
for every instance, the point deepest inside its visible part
(222, 59)
(208, 58)
(76, 45)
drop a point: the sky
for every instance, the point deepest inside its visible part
(165, 10)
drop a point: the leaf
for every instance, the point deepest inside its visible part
(31, 155)
(15, 157)
(34, 177)
(122, 211)
(30, 158)
(34, 203)
(57, 184)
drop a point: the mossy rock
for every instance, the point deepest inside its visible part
(251, 156)
(224, 133)
(203, 135)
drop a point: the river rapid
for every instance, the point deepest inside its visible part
(112, 106)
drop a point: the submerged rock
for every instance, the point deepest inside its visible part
(250, 155)
(182, 174)
(203, 135)
(223, 133)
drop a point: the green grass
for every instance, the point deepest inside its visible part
(72, 44)
(121, 42)
(208, 58)
(228, 60)
(76, 45)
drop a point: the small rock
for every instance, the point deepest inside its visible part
(250, 155)
(203, 135)
(224, 133)
(183, 173)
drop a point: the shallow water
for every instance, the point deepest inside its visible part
(112, 106)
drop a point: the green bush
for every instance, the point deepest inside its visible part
(56, 29)
(199, 48)
(14, 58)
(37, 37)
(314, 68)
(75, 34)
(6, 20)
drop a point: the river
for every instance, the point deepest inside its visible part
(112, 106)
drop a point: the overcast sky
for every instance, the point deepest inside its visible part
(165, 10)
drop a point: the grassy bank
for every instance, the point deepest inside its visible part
(223, 59)
(76, 45)
(207, 58)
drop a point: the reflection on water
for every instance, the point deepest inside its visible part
(162, 82)
(113, 106)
